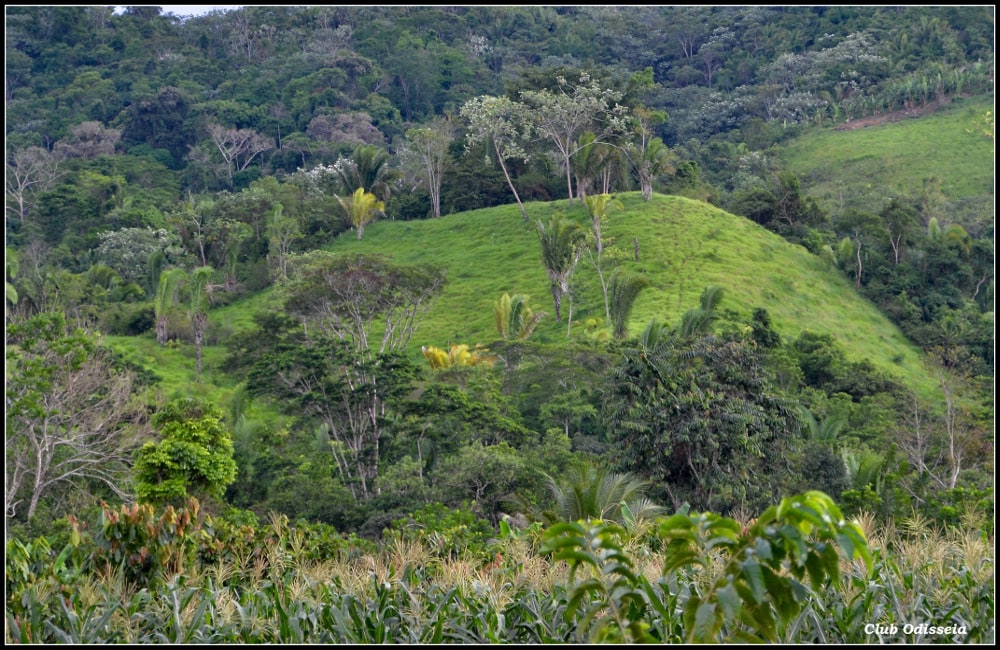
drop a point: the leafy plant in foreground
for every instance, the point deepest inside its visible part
(758, 590)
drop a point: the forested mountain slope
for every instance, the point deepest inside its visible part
(685, 263)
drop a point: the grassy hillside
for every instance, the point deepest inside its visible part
(684, 246)
(864, 167)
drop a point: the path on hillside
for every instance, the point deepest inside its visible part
(894, 116)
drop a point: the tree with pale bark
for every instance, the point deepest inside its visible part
(238, 147)
(426, 148)
(503, 123)
(562, 241)
(29, 171)
(561, 116)
(71, 420)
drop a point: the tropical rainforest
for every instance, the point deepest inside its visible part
(423, 324)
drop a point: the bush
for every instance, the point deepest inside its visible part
(448, 532)
(123, 319)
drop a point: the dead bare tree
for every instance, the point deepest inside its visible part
(238, 146)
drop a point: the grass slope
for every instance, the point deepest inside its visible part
(684, 246)
(863, 168)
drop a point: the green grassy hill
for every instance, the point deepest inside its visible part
(684, 246)
(864, 167)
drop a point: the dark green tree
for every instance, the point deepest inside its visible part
(698, 417)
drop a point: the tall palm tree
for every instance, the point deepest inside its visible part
(597, 207)
(166, 296)
(361, 208)
(623, 290)
(198, 309)
(10, 272)
(562, 241)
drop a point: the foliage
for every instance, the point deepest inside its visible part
(761, 585)
(193, 458)
(70, 414)
(515, 320)
(326, 382)
(623, 289)
(457, 355)
(503, 123)
(347, 297)
(361, 209)
(798, 575)
(147, 549)
(562, 241)
(698, 416)
(449, 532)
(591, 493)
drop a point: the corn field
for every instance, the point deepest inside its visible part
(790, 578)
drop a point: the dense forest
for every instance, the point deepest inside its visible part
(249, 259)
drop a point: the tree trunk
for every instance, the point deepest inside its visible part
(161, 329)
(557, 298)
(857, 279)
(197, 350)
(569, 180)
(506, 174)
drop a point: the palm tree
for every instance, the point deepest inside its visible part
(823, 431)
(368, 168)
(624, 289)
(596, 493)
(561, 244)
(514, 318)
(589, 161)
(652, 336)
(10, 272)
(699, 320)
(361, 209)
(166, 295)
(198, 309)
(654, 160)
